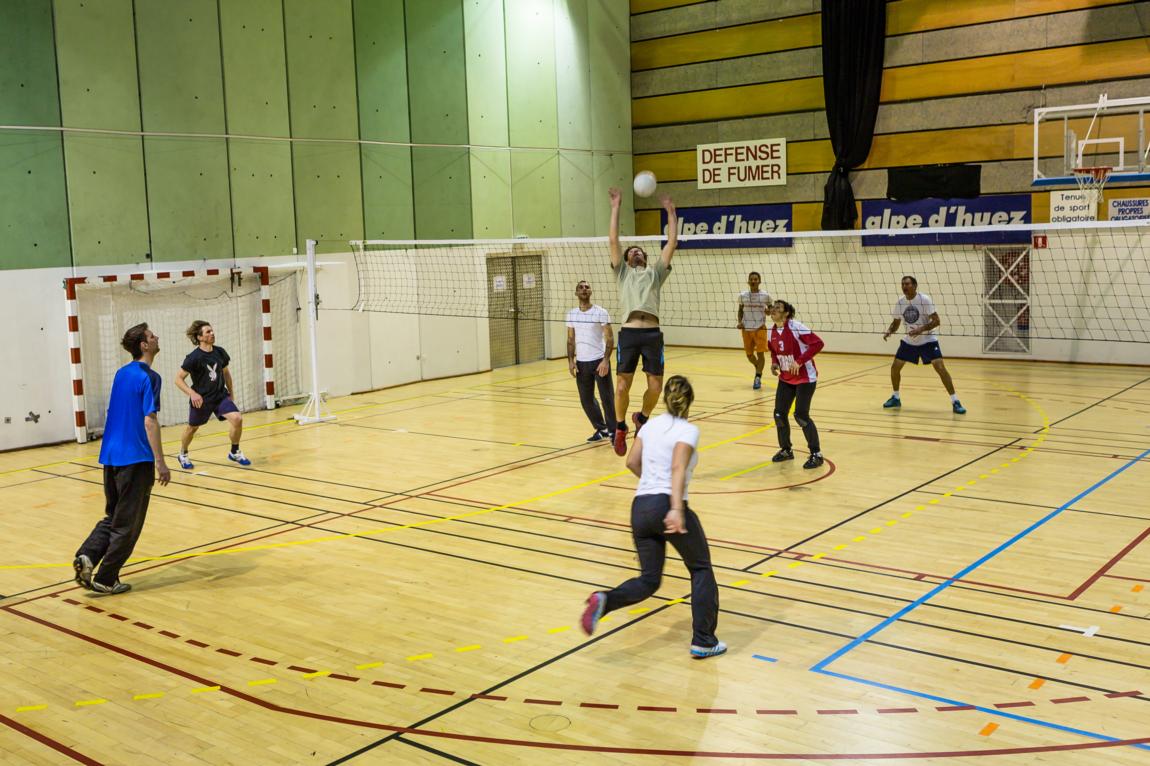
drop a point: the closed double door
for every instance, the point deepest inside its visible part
(515, 308)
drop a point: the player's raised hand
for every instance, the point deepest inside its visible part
(615, 195)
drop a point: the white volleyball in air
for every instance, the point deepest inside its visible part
(645, 183)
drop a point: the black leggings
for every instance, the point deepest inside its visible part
(801, 395)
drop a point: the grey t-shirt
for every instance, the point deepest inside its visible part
(639, 287)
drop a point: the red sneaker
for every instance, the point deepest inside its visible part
(596, 603)
(620, 441)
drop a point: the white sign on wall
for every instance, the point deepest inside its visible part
(742, 163)
(1132, 209)
(1073, 206)
(499, 283)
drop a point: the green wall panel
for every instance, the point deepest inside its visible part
(263, 208)
(33, 207)
(572, 74)
(181, 82)
(381, 68)
(613, 169)
(436, 72)
(329, 201)
(577, 193)
(188, 201)
(388, 206)
(96, 53)
(535, 193)
(491, 207)
(442, 186)
(28, 64)
(610, 81)
(255, 71)
(106, 197)
(321, 69)
(531, 86)
(486, 73)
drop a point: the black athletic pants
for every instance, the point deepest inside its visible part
(127, 490)
(801, 395)
(647, 512)
(587, 379)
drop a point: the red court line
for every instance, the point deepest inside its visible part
(48, 741)
(1110, 564)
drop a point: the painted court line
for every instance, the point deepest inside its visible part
(821, 665)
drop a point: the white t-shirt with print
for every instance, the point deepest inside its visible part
(588, 326)
(660, 435)
(915, 313)
(754, 308)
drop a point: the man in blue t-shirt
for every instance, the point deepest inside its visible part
(131, 455)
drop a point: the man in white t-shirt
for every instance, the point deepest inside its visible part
(920, 343)
(752, 320)
(589, 346)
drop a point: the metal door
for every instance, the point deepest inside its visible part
(529, 308)
(515, 309)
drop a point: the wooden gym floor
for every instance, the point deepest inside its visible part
(403, 585)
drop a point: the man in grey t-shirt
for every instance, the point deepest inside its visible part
(639, 289)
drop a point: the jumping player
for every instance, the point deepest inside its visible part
(210, 392)
(663, 457)
(752, 320)
(793, 348)
(920, 343)
(640, 284)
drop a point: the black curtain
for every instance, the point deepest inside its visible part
(854, 32)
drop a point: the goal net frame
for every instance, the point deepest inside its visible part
(72, 286)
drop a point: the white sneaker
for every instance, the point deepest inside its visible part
(185, 461)
(238, 457)
(703, 652)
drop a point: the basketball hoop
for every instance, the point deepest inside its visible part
(1092, 180)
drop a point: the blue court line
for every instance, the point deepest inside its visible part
(765, 659)
(820, 666)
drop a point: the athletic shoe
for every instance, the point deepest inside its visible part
(598, 436)
(83, 566)
(596, 603)
(783, 454)
(111, 590)
(894, 401)
(620, 441)
(238, 457)
(814, 461)
(637, 423)
(606, 433)
(958, 408)
(185, 461)
(703, 652)
(758, 383)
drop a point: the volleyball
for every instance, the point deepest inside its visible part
(645, 183)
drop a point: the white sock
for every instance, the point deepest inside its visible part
(895, 395)
(954, 397)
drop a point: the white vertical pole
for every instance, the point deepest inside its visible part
(313, 411)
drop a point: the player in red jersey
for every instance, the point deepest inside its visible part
(793, 347)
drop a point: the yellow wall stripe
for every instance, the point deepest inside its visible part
(643, 6)
(904, 17)
(984, 74)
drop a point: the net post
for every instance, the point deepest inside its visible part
(313, 411)
(266, 317)
(72, 308)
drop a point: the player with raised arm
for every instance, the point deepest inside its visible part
(640, 284)
(920, 343)
(210, 392)
(752, 321)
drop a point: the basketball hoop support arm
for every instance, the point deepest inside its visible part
(314, 410)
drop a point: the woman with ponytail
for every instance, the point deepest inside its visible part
(793, 348)
(663, 456)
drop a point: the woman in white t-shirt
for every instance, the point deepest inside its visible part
(663, 456)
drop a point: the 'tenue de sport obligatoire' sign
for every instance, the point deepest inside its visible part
(742, 163)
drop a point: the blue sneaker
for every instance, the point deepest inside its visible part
(894, 401)
(238, 457)
(758, 383)
(593, 612)
(703, 652)
(185, 461)
(957, 407)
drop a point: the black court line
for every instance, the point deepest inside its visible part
(448, 436)
(1100, 401)
(428, 749)
(1042, 507)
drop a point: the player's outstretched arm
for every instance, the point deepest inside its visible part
(672, 231)
(613, 231)
(892, 329)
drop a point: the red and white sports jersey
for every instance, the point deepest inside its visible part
(795, 342)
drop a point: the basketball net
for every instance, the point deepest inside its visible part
(1091, 181)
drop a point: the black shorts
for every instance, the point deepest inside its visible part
(197, 416)
(926, 353)
(635, 342)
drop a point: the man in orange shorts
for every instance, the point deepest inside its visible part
(752, 321)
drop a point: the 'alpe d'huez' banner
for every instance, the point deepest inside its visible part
(738, 219)
(996, 210)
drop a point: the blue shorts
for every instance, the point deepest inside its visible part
(926, 353)
(197, 416)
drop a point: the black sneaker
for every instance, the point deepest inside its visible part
(83, 566)
(814, 461)
(111, 590)
(598, 436)
(783, 454)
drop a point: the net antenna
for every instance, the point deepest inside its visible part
(1091, 181)
(315, 411)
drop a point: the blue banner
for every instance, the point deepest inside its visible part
(996, 210)
(737, 219)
